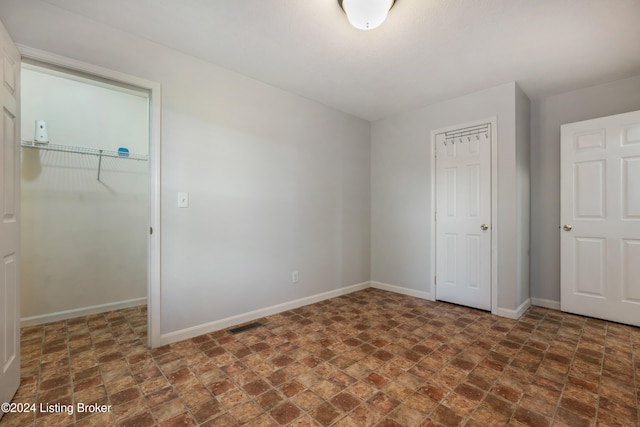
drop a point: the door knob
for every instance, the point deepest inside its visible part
(484, 227)
(567, 227)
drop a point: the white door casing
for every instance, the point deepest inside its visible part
(463, 216)
(9, 222)
(600, 218)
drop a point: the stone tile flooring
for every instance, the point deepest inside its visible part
(371, 358)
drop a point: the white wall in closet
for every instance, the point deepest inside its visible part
(83, 241)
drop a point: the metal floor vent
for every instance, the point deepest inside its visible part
(244, 328)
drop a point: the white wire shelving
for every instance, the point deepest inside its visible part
(85, 150)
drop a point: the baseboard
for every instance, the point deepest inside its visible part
(79, 312)
(217, 325)
(546, 303)
(503, 312)
(517, 313)
(401, 290)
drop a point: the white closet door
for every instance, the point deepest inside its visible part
(600, 214)
(463, 221)
(9, 222)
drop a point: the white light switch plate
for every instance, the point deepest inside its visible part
(183, 199)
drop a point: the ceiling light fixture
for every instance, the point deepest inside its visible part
(366, 14)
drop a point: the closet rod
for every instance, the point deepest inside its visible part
(83, 150)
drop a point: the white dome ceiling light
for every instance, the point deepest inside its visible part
(366, 14)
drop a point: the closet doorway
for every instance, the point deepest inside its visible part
(89, 191)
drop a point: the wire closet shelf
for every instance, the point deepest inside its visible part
(85, 150)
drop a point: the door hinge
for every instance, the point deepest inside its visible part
(150, 230)
(434, 280)
(435, 152)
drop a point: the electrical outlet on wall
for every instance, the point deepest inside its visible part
(294, 276)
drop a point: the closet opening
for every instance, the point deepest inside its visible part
(87, 199)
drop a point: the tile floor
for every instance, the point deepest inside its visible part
(371, 358)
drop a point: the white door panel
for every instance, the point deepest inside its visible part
(590, 266)
(630, 191)
(600, 213)
(463, 206)
(630, 270)
(9, 219)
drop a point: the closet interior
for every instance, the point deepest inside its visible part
(84, 195)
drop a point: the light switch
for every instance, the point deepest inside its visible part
(183, 199)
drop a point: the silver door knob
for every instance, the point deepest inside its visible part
(567, 227)
(484, 227)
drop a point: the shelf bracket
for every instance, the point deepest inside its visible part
(99, 164)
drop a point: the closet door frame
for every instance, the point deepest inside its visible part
(153, 239)
(493, 123)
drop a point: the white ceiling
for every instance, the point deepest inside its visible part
(427, 50)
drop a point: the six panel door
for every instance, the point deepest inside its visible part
(600, 215)
(463, 220)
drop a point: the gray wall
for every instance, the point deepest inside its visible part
(546, 117)
(401, 190)
(523, 195)
(277, 182)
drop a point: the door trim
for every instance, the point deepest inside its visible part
(10, 224)
(153, 240)
(493, 123)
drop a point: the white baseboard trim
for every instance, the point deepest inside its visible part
(217, 325)
(79, 312)
(515, 314)
(546, 303)
(401, 290)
